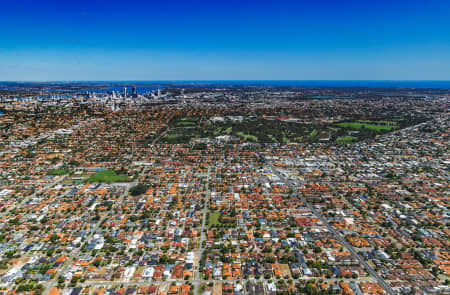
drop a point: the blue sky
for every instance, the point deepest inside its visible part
(208, 40)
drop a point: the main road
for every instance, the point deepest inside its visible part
(202, 234)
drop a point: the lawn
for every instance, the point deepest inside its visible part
(388, 123)
(191, 119)
(314, 133)
(61, 171)
(185, 123)
(272, 137)
(218, 218)
(172, 136)
(347, 139)
(214, 218)
(356, 125)
(107, 176)
(220, 131)
(247, 136)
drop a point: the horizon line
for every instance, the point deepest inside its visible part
(224, 80)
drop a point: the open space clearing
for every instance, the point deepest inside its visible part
(61, 171)
(314, 133)
(187, 121)
(375, 127)
(247, 136)
(346, 139)
(214, 218)
(261, 130)
(107, 176)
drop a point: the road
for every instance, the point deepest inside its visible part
(160, 135)
(341, 239)
(197, 282)
(202, 235)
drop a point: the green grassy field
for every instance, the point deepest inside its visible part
(387, 123)
(347, 139)
(247, 136)
(190, 119)
(171, 136)
(356, 125)
(186, 123)
(107, 176)
(214, 218)
(272, 137)
(314, 133)
(220, 131)
(62, 171)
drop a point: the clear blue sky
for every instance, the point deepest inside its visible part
(207, 40)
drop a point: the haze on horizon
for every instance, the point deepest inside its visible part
(232, 40)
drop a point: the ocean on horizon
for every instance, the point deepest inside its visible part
(293, 83)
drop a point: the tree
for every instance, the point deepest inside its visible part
(138, 189)
(310, 289)
(61, 280)
(15, 221)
